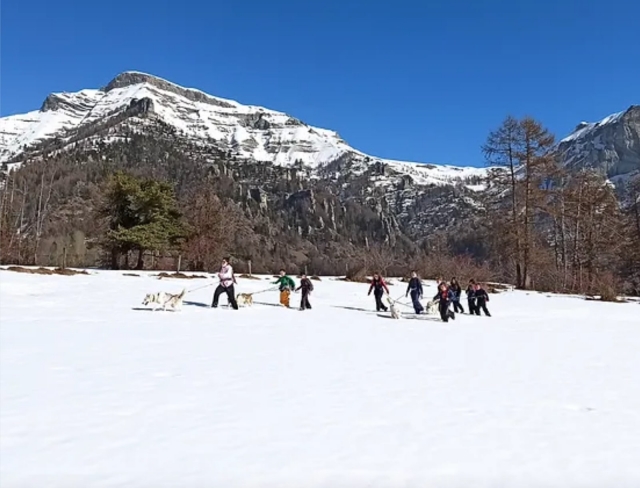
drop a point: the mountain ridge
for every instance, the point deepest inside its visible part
(254, 132)
(257, 133)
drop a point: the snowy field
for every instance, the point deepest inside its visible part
(96, 391)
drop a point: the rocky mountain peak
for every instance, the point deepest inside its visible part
(611, 145)
(130, 78)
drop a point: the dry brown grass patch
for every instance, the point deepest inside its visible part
(605, 299)
(46, 271)
(362, 279)
(249, 277)
(180, 276)
(355, 279)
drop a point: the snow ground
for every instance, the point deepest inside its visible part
(96, 391)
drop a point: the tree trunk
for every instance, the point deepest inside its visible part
(38, 212)
(140, 262)
(115, 259)
(20, 237)
(563, 240)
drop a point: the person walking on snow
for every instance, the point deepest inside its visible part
(378, 287)
(307, 287)
(227, 279)
(285, 285)
(471, 297)
(457, 293)
(481, 300)
(444, 297)
(415, 288)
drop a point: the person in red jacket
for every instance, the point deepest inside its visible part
(378, 287)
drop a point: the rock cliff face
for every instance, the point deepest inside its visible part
(610, 146)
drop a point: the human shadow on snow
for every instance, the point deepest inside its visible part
(411, 317)
(142, 309)
(169, 309)
(196, 304)
(356, 309)
(268, 304)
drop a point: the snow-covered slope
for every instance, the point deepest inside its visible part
(249, 132)
(95, 390)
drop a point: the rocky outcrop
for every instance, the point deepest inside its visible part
(129, 78)
(610, 146)
(141, 106)
(256, 121)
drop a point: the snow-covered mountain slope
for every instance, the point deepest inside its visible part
(97, 390)
(611, 146)
(248, 132)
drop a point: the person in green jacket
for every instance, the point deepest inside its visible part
(286, 284)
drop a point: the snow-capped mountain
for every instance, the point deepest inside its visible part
(611, 146)
(248, 132)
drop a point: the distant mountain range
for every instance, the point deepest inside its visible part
(260, 134)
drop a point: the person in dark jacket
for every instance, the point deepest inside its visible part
(378, 287)
(471, 298)
(482, 297)
(444, 297)
(415, 288)
(307, 287)
(457, 293)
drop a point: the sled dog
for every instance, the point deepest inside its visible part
(395, 313)
(432, 307)
(163, 300)
(245, 299)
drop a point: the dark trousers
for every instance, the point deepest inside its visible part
(230, 295)
(457, 307)
(415, 299)
(482, 305)
(304, 301)
(472, 305)
(443, 307)
(379, 304)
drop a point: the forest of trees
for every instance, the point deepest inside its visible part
(556, 230)
(149, 202)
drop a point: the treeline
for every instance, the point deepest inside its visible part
(154, 200)
(554, 230)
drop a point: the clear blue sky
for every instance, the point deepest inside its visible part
(422, 81)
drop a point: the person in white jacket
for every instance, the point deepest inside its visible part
(226, 285)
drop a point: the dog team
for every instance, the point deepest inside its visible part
(449, 294)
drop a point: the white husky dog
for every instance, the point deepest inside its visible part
(163, 300)
(432, 307)
(395, 313)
